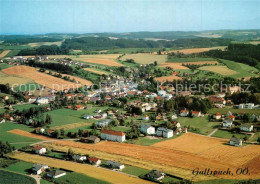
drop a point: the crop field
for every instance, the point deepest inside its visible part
(198, 50)
(13, 80)
(4, 53)
(95, 71)
(176, 156)
(101, 59)
(95, 172)
(7, 177)
(175, 66)
(28, 134)
(222, 70)
(145, 58)
(37, 44)
(168, 78)
(242, 70)
(41, 78)
(71, 126)
(16, 140)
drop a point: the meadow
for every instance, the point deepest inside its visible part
(146, 58)
(222, 70)
(231, 109)
(188, 59)
(17, 141)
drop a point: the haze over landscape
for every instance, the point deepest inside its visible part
(74, 16)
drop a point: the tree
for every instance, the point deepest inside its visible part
(48, 119)
(70, 153)
(258, 140)
(5, 148)
(245, 138)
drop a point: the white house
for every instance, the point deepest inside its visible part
(103, 122)
(145, 117)
(217, 116)
(184, 113)
(246, 106)
(235, 142)
(80, 158)
(39, 168)
(174, 116)
(112, 135)
(94, 161)
(147, 129)
(227, 123)
(155, 175)
(42, 100)
(115, 165)
(2, 121)
(247, 128)
(196, 113)
(161, 93)
(56, 174)
(164, 132)
(87, 116)
(40, 150)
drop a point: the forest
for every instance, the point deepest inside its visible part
(43, 50)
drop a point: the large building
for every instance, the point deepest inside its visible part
(112, 135)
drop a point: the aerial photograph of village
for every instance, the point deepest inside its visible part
(129, 91)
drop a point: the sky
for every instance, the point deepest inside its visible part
(94, 16)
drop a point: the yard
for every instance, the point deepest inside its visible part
(201, 123)
(227, 135)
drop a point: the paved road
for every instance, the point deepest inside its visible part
(214, 131)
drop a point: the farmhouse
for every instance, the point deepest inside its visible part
(227, 123)
(2, 121)
(176, 124)
(184, 113)
(79, 107)
(217, 116)
(174, 116)
(164, 132)
(217, 100)
(231, 117)
(247, 128)
(42, 100)
(80, 158)
(56, 174)
(112, 135)
(87, 116)
(196, 114)
(93, 139)
(115, 165)
(235, 141)
(5, 97)
(94, 161)
(246, 106)
(147, 129)
(39, 168)
(103, 123)
(40, 150)
(155, 175)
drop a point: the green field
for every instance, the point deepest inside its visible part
(242, 69)
(12, 53)
(145, 58)
(4, 66)
(121, 128)
(76, 178)
(20, 167)
(7, 177)
(28, 87)
(132, 50)
(189, 59)
(201, 123)
(136, 171)
(231, 109)
(226, 134)
(16, 140)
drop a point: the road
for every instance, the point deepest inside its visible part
(214, 131)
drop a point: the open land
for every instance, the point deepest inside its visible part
(4, 53)
(145, 58)
(222, 70)
(197, 50)
(95, 71)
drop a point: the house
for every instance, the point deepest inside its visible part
(94, 161)
(217, 116)
(235, 141)
(112, 135)
(229, 113)
(39, 168)
(42, 100)
(227, 123)
(161, 93)
(103, 122)
(2, 120)
(115, 165)
(5, 97)
(93, 139)
(50, 132)
(155, 175)
(56, 174)
(145, 117)
(103, 115)
(40, 150)
(39, 130)
(247, 128)
(217, 100)
(184, 113)
(232, 117)
(164, 132)
(147, 129)
(8, 117)
(174, 116)
(87, 116)
(79, 158)
(196, 113)
(246, 106)
(79, 107)
(176, 124)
